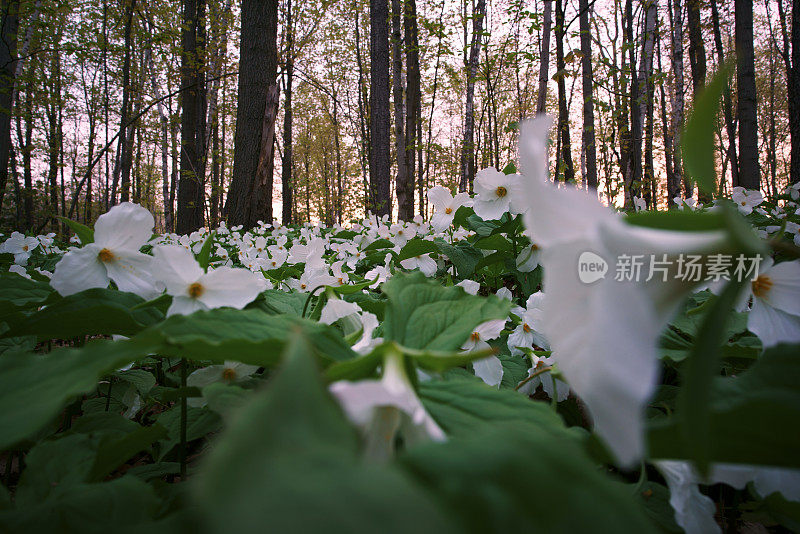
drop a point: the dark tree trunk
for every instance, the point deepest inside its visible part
(727, 107)
(588, 100)
(676, 23)
(646, 95)
(9, 10)
(634, 167)
(413, 105)
(401, 180)
(791, 60)
(566, 166)
(250, 193)
(286, 164)
(122, 165)
(697, 49)
(749, 172)
(468, 146)
(544, 57)
(191, 193)
(379, 157)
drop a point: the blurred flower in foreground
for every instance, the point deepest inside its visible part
(603, 334)
(114, 255)
(383, 408)
(694, 512)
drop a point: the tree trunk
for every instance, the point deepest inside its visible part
(633, 173)
(286, 164)
(401, 180)
(379, 157)
(749, 172)
(544, 58)
(413, 105)
(727, 107)
(123, 146)
(588, 97)
(646, 94)
(468, 146)
(8, 67)
(791, 60)
(250, 193)
(676, 23)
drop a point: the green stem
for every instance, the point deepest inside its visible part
(108, 393)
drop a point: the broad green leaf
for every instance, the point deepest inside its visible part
(275, 301)
(421, 314)
(84, 233)
(512, 478)
(123, 503)
(416, 247)
(379, 244)
(464, 257)
(20, 291)
(463, 407)
(91, 312)
(143, 380)
(114, 451)
(205, 253)
(751, 417)
(290, 461)
(698, 373)
(34, 387)
(225, 399)
(199, 423)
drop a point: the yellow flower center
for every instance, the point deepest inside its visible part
(196, 290)
(448, 211)
(475, 336)
(744, 203)
(302, 286)
(229, 374)
(534, 247)
(340, 280)
(25, 248)
(105, 255)
(526, 328)
(761, 286)
(501, 191)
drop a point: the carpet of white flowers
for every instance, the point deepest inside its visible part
(450, 375)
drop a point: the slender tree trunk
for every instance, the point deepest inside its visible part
(790, 54)
(123, 146)
(634, 166)
(365, 148)
(286, 165)
(379, 157)
(250, 193)
(401, 180)
(567, 167)
(749, 172)
(468, 146)
(9, 10)
(727, 107)
(589, 148)
(544, 58)
(666, 131)
(413, 105)
(676, 22)
(646, 95)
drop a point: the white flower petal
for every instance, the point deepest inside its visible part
(336, 309)
(78, 270)
(771, 325)
(175, 267)
(490, 370)
(130, 270)
(126, 226)
(227, 286)
(785, 291)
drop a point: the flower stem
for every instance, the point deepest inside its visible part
(533, 375)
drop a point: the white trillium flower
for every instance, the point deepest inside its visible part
(604, 334)
(401, 233)
(639, 204)
(424, 263)
(383, 408)
(445, 207)
(114, 255)
(230, 372)
(528, 259)
(369, 322)
(746, 200)
(470, 286)
(20, 246)
(19, 269)
(775, 316)
(495, 191)
(489, 369)
(540, 374)
(193, 290)
(336, 309)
